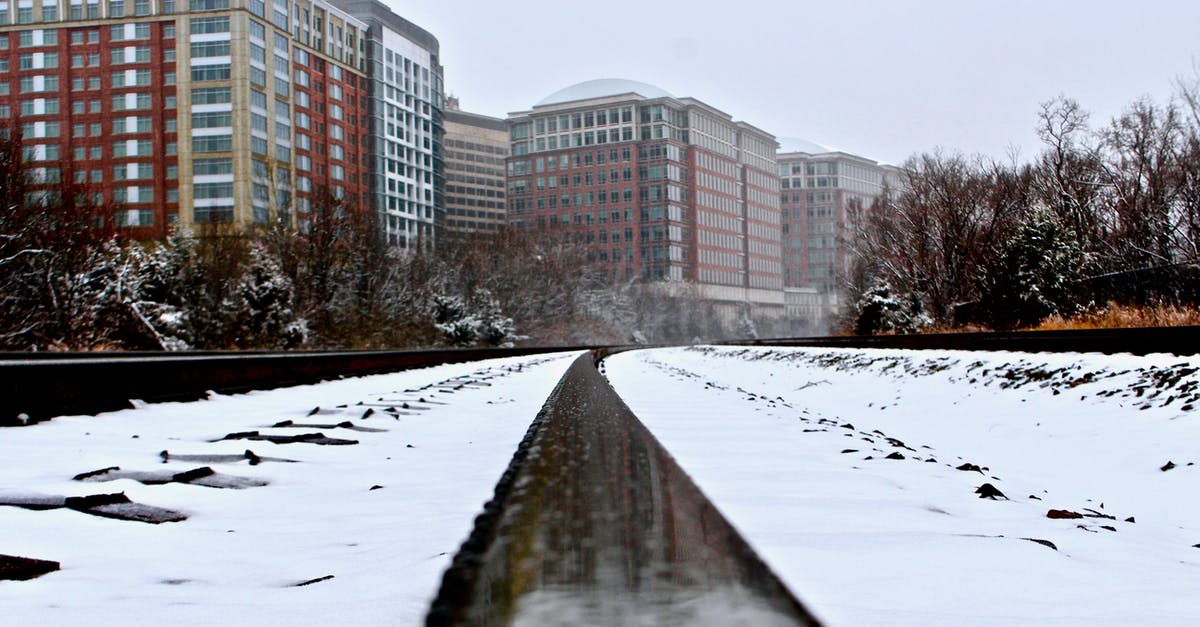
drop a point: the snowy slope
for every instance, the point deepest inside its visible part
(793, 446)
(238, 556)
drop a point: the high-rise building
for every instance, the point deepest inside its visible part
(475, 149)
(405, 129)
(657, 187)
(823, 194)
(217, 111)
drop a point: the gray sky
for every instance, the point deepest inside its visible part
(878, 78)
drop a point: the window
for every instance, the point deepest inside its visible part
(116, 8)
(212, 119)
(210, 49)
(208, 5)
(211, 95)
(206, 191)
(132, 148)
(201, 167)
(131, 78)
(201, 25)
(211, 73)
(212, 143)
(205, 215)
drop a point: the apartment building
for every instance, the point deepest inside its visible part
(823, 192)
(212, 111)
(475, 149)
(658, 188)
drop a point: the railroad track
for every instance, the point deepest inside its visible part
(36, 386)
(593, 517)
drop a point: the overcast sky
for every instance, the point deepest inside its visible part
(883, 79)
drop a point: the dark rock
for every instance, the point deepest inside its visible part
(312, 581)
(1035, 497)
(849, 450)
(240, 435)
(315, 410)
(847, 426)
(95, 500)
(1062, 513)
(376, 487)
(192, 475)
(895, 455)
(409, 446)
(1167, 466)
(1108, 527)
(969, 468)
(96, 473)
(368, 413)
(1042, 542)
(283, 423)
(14, 568)
(989, 491)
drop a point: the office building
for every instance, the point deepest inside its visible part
(823, 194)
(475, 149)
(658, 188)
(224, 111)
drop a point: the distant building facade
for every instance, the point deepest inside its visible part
(476, 147)
(658, 188)
(405, 127)
(823, 192)
(226, 111)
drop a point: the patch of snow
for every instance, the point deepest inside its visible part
(240, 554)
(907, 541)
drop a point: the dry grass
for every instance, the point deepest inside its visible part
(1121, 316)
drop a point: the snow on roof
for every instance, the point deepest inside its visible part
(602, 87)
(795, 144)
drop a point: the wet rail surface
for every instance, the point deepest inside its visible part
(594, 523)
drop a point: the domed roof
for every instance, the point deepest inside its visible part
(600, 88)
(795, 144)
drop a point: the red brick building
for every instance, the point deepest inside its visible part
(659, 188)
(226, 111)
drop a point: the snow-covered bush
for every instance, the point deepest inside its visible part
(473, 321)
(1034, 274)
(263, 299)
(881, 310)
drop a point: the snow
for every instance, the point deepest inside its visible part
(907, 541)
(237, 556)
(861, 541)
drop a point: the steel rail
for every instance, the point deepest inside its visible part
(594, 523)
(38, 386)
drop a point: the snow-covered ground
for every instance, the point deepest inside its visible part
(237, 557)
(793, 446)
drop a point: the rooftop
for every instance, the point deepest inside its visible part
(600, 88)
(795, 144)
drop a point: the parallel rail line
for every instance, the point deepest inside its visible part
(36, 386)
